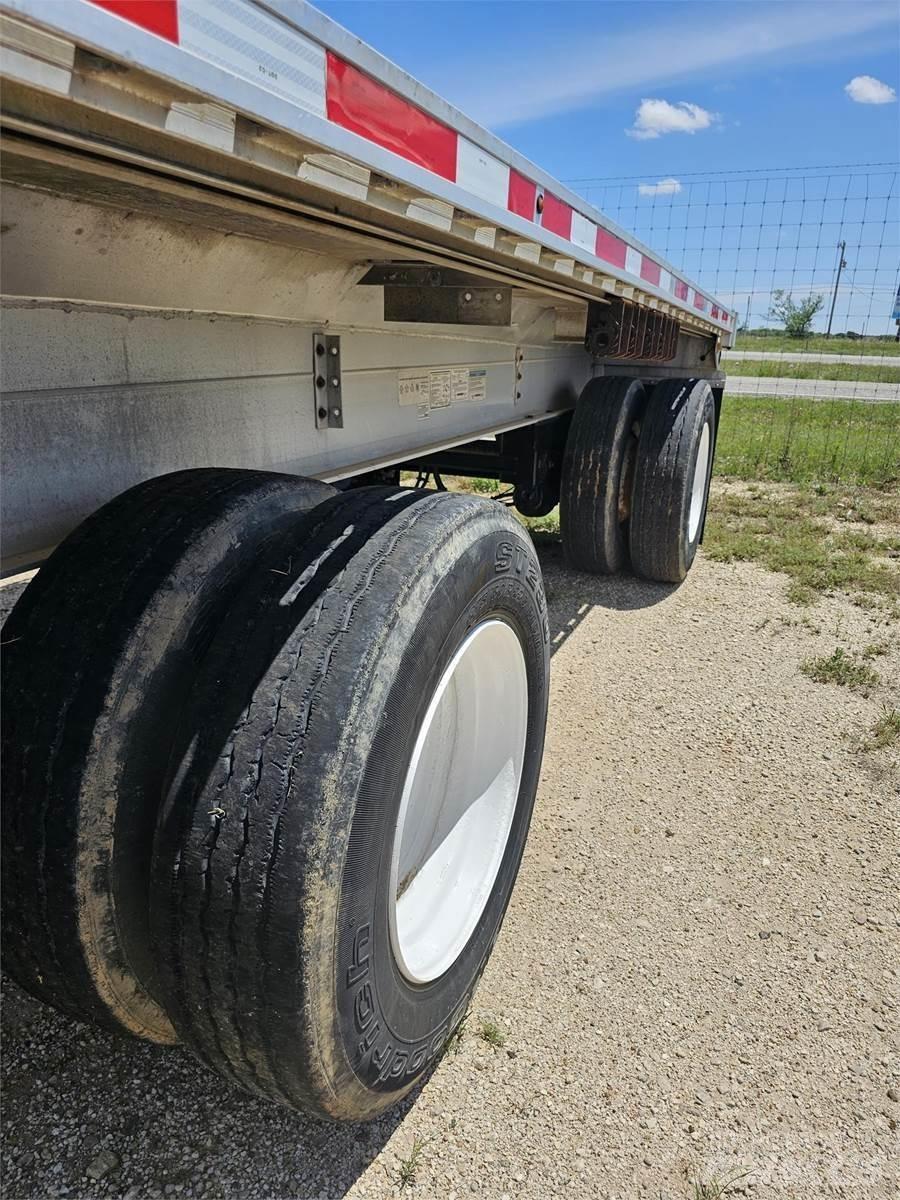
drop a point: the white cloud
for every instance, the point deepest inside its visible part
(665, 187)
(866, 89)
(568, 74)
(656, 117)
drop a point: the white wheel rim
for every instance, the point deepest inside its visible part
(698, 484)
(458, 802)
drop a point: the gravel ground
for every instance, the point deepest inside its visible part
(698, 974)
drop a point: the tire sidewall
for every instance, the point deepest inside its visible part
(387, 1031)
(703, 414)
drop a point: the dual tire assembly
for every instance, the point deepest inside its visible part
(271, 751)
(636, 473)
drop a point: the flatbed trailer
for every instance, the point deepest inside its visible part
(251, 272)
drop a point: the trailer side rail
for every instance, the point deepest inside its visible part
(370, 133)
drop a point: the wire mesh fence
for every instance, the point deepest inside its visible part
(810, 259)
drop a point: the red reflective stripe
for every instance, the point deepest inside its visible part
(557, 216)
(522, 195)
(681, 290)
(610, 248)
(156, 16)
(358, 103)
(649, 270)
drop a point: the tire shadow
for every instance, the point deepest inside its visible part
(72, 1091)
(572, 594)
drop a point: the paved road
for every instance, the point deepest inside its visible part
(803, 356)
(812, 389)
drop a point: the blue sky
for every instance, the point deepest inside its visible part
(656, 90)
(562, 81)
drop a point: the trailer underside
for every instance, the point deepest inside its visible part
(151, 323)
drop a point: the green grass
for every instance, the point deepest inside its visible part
(818, 343)
(852, 372)
(491, 1033)
(885, 732)
(454, 1042)
(408, 1170)
(762, 437)
(484, 486)
(842, 668)
(801, 533)
(717, 1189)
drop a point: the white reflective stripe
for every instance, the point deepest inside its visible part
(480, 173)
(665, 281)
(584, 233)
(633, 261)
(243, 39)
(208, 123)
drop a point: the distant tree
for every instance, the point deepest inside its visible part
(795, 316)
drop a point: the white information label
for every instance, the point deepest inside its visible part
(441, 387)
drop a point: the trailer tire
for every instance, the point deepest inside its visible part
(289, 961)
(671, 479)
(595, 497)
(98, 654)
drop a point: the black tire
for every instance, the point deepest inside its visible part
(99, 654)
(271, 875)
(666, 526)
(595, 497)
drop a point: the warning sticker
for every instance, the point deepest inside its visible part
(441, 387)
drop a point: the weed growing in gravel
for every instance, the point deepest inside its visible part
(454, 1042)
(492, 1034)
(408, 1169)
(876, 649)
(841, 668)
(885, 732)
(716, 1189)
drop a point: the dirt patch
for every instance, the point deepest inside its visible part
(697, 976)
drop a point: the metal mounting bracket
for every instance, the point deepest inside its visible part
(327, 384)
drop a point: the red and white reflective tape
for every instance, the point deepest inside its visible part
(246, 40)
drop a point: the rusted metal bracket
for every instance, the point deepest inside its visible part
(624, 330)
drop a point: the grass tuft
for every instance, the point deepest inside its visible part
(454, 1042)
(491, 1033)
(717, 1189)
(840, 668)
(409, 1167)
(885, 732)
